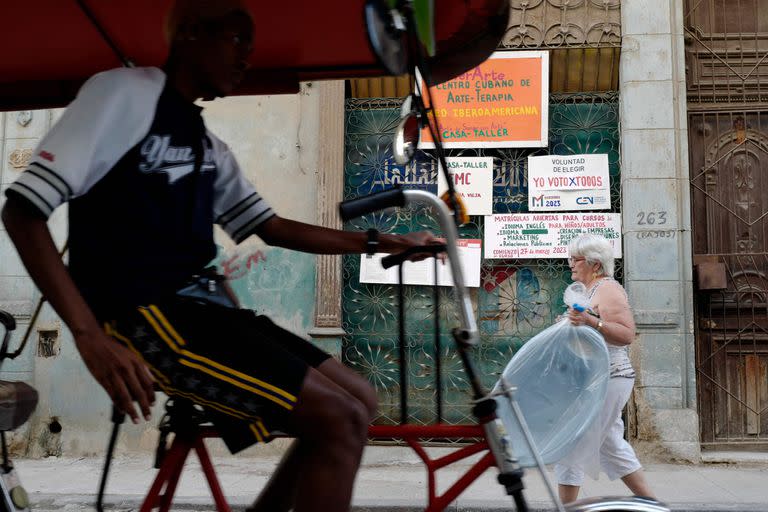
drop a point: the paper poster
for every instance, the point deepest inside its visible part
(541, 235)
(568, 183)
(422, 272)
(502, 103)
(473, 181)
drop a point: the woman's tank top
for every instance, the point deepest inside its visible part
(620, 365)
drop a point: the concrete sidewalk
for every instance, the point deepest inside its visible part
(392, 478)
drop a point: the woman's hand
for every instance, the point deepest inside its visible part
(581, 318)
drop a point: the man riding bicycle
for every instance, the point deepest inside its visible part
(146, 182)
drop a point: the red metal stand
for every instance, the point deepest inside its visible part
(173, 464)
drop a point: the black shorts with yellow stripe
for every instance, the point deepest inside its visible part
(242, 368)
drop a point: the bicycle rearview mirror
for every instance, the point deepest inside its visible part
(406, 139)
(387, 35)
(408, 132)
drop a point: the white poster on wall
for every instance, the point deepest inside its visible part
(541, 235)
(473, 181)
(422, 272)
(568, 182)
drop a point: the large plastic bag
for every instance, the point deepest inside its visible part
(561, 376)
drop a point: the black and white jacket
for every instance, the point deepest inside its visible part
(145, 181)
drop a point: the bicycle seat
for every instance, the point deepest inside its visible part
(17, 402)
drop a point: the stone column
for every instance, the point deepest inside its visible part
(327, 331)
(656, 222)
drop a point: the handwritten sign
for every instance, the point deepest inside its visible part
(472, 180)
(541, 235)
(502, 103)
(567, 183)
(422, 272)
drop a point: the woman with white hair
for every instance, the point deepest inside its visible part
(604, 446)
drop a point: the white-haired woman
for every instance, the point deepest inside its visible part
(591, 263)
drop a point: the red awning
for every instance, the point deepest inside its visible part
(49, 47)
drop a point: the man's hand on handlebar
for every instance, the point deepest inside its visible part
(420, 239)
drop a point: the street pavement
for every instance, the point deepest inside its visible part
(391, 479)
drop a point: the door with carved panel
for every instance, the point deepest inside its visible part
(727, 86)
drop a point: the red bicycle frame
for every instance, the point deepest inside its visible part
(163, 487)
(413, 434)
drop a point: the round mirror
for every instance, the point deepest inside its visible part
(386, 33)
(408, 105)
(406, 139)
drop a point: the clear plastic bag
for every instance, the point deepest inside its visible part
(561, 376)
(575, 296)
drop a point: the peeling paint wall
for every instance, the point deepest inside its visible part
(274, 282)
(275, 139)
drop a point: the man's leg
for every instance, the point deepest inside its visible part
(279, 494)
(332, 429)
(351, 382)
(275, 375)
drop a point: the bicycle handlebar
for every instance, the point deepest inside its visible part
(396, 259)
(398, 197)
(353, 208)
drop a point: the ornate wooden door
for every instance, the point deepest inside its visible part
(727, 84)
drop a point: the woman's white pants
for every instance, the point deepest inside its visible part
(604, 445)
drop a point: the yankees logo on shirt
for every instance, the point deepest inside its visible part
(139, 169)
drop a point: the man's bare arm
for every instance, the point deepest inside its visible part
(122, 374)
(304, 237)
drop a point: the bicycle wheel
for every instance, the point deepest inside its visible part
(617, 504)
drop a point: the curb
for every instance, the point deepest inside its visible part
(125, 503)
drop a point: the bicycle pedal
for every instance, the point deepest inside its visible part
(513, 480)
